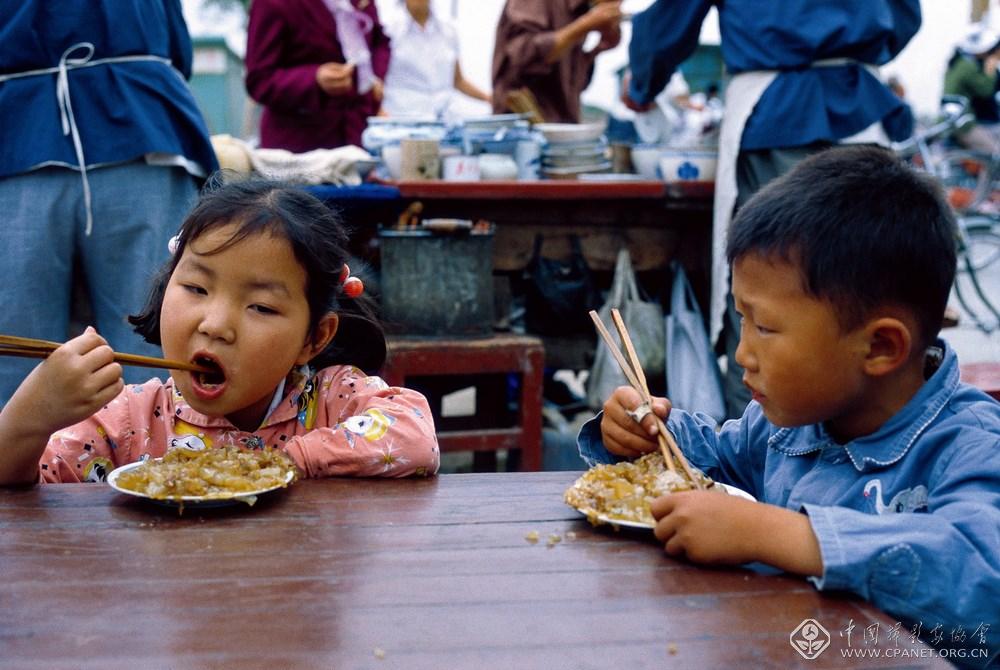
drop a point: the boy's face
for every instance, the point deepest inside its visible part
(243, 309)
(798, 364)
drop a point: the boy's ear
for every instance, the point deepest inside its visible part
(319, 338)
(890, 344)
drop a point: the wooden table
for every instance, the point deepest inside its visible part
(359, 574)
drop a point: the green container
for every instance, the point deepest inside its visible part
(438, 284)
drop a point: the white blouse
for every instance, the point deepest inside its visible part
(421, 77)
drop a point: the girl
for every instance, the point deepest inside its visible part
(258, 291)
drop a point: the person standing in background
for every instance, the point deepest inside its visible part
(424, 72)
(539, 47)
(102, 150)
(804, 77)
(316, 67)
(972, 74)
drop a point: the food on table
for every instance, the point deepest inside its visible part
(210, 473)
(623, 491)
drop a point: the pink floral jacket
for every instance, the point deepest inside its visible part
(336, 422)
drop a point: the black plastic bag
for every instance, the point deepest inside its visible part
(559, 294)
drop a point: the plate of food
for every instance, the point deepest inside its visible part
(206, 478)
(619, 494)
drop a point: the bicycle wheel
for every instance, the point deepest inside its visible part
(980, 241)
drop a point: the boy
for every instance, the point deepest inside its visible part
(877, 471)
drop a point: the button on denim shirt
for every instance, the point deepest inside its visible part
(907, 517)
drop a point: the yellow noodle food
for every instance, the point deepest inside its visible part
(211, 473)
(623, 491)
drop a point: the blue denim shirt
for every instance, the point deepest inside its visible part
(908, 517)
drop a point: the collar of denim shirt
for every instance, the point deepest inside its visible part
(889, 443)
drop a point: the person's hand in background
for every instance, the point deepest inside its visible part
(628, 101)
(335, 78)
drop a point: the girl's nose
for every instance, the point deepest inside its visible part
(217, 324)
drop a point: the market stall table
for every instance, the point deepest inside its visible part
(420, 573)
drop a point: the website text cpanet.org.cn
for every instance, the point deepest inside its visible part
(905, 653)
(878, 640)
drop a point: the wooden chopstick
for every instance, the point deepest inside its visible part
(11, 345)
(662, 429)
(634, 382)
(669, 448)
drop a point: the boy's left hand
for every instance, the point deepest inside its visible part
(709, 527)
(705, 526)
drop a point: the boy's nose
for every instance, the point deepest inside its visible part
(744, 357)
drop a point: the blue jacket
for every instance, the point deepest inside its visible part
(803, 105)
(908, 517)
(123, 110)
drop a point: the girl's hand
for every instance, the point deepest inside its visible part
(624, 436)
(75, 381)
(709, 527)
(335, 78)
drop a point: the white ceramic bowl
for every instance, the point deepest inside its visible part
(570, 132)
(393, 159)
(646, 159)
(687, 164)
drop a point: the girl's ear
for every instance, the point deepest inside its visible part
(319, 338)
(890, 344)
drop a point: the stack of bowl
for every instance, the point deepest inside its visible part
(572, 149)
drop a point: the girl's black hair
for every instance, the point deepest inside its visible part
(865, 229)
(319, 240)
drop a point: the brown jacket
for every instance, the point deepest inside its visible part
(525, 35)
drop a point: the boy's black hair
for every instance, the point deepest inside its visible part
(319, 241)
(865, 229)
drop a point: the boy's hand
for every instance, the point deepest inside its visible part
(624, 436)
(76, 380)
(709, 527)
(705, 526)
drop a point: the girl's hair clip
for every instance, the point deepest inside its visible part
(173, 244)
(353, 287)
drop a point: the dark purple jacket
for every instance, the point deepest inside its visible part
(287, 41)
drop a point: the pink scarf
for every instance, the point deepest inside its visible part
(352, 27)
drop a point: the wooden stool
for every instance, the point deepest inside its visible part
(502, 353)
(984, 376)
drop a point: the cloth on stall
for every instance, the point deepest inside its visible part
(319, 166)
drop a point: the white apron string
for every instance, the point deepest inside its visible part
(66, 64)
(743, 92)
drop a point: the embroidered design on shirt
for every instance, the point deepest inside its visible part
(372, 425)
(907, 500)
(187, 436)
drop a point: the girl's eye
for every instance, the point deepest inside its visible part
(263, 309)
(194, 288)
(764, 331)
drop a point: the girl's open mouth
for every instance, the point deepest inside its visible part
(211, 380)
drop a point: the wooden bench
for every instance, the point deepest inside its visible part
(500, 354)
(984, 376)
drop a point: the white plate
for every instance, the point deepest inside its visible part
(570, 132)
(245, 497)
(731, 490)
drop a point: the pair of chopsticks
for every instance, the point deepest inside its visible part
(635, 376)
(11, 345)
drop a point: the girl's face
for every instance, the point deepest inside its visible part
(798, 363)
(242, 310)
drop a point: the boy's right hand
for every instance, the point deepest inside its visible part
(75, 381)
(624, 436)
